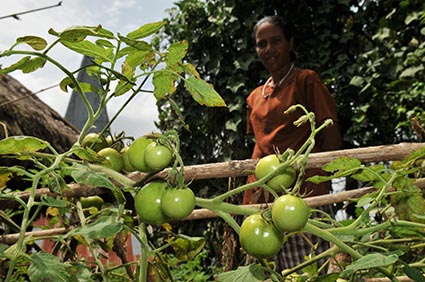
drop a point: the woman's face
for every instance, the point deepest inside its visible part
(272, 47)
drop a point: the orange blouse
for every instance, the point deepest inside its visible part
(272, 128)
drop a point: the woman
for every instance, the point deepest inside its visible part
(272, 129)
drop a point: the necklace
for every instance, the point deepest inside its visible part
(280, 82)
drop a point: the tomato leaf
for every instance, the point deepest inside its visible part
(90, 49)
(190, 69)
(176, 52)
(47, 267)
(84, 175)
(342, 164)
(124, 85)
(79, 33)
(203, 93)
(146, 30)
(163, 82)
(186, 248)
(137, 58)
(33, 64)
(104, 227)
(21, 144)
(369, 261)
(250, 273)
(413, 273)
(16, 66)
(409, 203)
(137, 44)
(37, 43)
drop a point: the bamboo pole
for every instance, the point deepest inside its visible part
(237, 168)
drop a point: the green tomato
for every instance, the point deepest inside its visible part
(270, 163)
(94, 141)
(91, 201)
(157, 157)
(113, 158)
(259, 237)
(290, 213)
(177, 203)
(136, 152)
(147, 203)
(127, 167)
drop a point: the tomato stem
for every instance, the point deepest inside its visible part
(324, 234)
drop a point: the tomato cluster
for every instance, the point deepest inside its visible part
(146, 155)
(279, 182)
(263, 237)
(157, 202)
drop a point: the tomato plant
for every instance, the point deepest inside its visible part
(270, 163)
(177, 203)
(94, 141)
(113, 158)
(290, 213)
(157, 156)
(136, 153)
(147, 202)
(259, 237)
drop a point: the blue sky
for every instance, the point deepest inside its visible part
(117, 16)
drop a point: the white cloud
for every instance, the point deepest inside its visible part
(114, 15)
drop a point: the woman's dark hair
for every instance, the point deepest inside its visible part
(277, 21)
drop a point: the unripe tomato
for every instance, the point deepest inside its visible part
(127, 167)
(259, 237)
(157, 157)
(91, 201)
(269, 164)
(113, 158)
(290, 213)
(177, 203)
(136, 155)
(94, 141)
(147, 202)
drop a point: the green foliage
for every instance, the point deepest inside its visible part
(370, 54)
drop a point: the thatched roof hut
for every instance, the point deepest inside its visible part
(24, 113)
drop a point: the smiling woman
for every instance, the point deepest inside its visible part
(117, 16)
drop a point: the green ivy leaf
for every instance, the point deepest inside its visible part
(37, 43)
(250, 273)
(146, 30)
(48, 268)
(203, 93)
(176, 52)
(21, 144)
